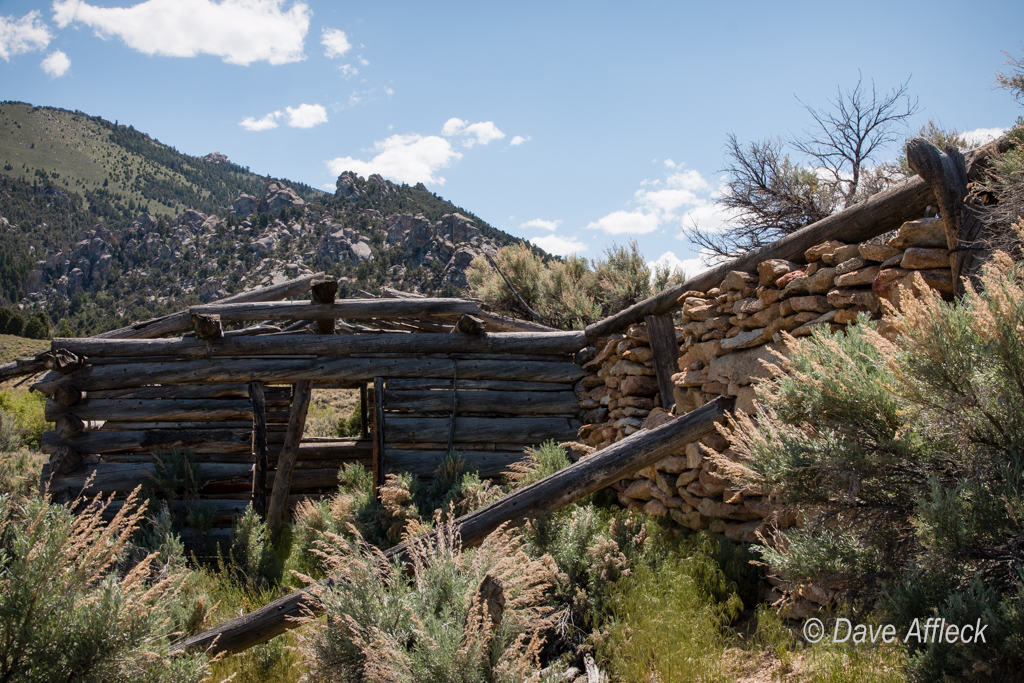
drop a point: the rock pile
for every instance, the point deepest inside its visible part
(730, 338)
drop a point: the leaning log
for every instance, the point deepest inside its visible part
(128, 375)
(590, 474)
(182, 320)
(259, 448)
(330, 345)
(287, 457)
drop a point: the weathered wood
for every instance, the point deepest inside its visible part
(352, 309)
(68, 426)
(20, 367)
(273, 424)
(67, 394)
(322, 454)
(259, 449)
(60, 360)
(501, 323)
(180, 321)
(509, 430)
(590, 474)
(469, 324)
(480, 385)
(162, 410)
(115, 477)
(506, 402)
(325, 292)
(423, 463)
(946, 174)
(878, 214)
(288, 455)
(198, 440)
(194, 391)
(364, 425)
(129, 375)
(662, 333)
(379, 435)
(207, 326)
(557, 342)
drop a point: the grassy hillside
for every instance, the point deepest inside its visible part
(12, 347)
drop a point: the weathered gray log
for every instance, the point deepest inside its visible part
(352, 309)
(20, 367)
(590, 474)
(196, 391)
(115, 477)
(66, 394)
(325, 292)
(123, 376)
(501, 323)
(259, 449)
(68, 426)
(364, 424)
(557, 342)
(479, 384)
(946, 173)
(198, 440)
(151, 410)
(180, 321)
(379, 434)
(327, 453)
(288, 455)
(662, 333)
(207, 326)
(60, 360)
(505, 402)
(510, 430)
(878, 214)
(423, 463)
(273, 425)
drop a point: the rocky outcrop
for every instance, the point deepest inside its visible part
(278, 196)
(244, 205)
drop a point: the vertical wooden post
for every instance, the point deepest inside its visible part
(662, 333)
(259, 448)
(364, 423)
(378, 433)
(286, 459)
(324, 292)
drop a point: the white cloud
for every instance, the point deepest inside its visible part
(559, 246)
(362, 60)
(56, 64)
(481, 133)
(266, 123)
(306, 115)
(540, 223)
(979, 136)
(335, 43)
(626, 223)
(689, 267)
(680, 194)
(238, 31)
(22, 35)
(519, 139)
(348, 71)
(405, 158)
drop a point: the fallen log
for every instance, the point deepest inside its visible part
(151, 410)
(182, 320)
(232, 370)
(510, 430)
(352, 309)
(330, 345)
(506, 402)
(590, 474)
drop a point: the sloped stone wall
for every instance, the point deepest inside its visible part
(726, 335)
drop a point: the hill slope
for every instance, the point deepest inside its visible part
(103, 225)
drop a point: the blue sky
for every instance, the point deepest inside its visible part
(573, 124)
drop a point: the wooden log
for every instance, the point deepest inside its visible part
(20, 367)
(207, 326)
(114, 477)
(68, 426)
(506, 402)
(423, 463)
(501, 323)
(351, 309)
(119, 425)
(194, 391)
(325, 292)
(60, 360)
(198, 440)
(364, 425)
(476, 385)
(232, 370)
(151, 410)
(878, 214)
(509, 430)
(327, 454)
(469, 324)
(558, 343)
(67, 394)
(259, 449)
(946, 174)
(590, 474)
(379, 434)
(180, 321)
(288, 455)
(662, 333)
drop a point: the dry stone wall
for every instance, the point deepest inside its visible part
(726, 336)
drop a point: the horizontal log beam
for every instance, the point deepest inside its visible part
(152, 410)
(196, 440)
(129, 375)
(351, 309)
(115, 477)
(425, 463)
(590, 474)
(475, 384)
(509, 430)
(329, 345)
(505, 402)
(274, 395)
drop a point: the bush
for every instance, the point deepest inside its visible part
(67, 612)
(911, 452)
(38, 326)
(15, 322)
(27, 409)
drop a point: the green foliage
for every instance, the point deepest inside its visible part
(253, 559)
(13, 322)
(37, 327)
(68, 615)
(911, 454)
(27, 409)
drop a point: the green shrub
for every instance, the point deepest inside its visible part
(37, 327)
(15, 323)
(27, 408)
